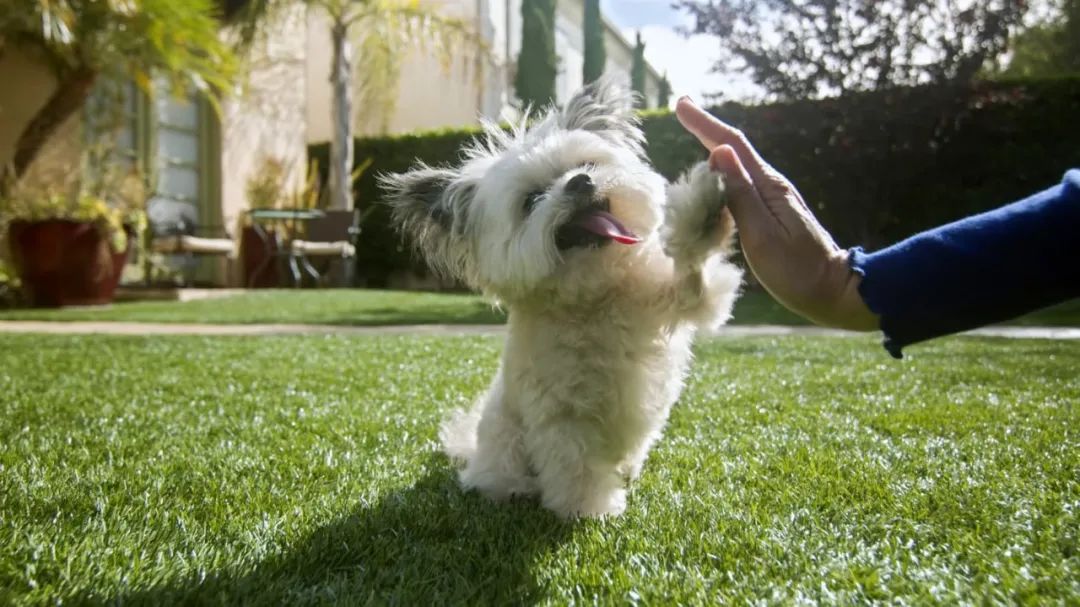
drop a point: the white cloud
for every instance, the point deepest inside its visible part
(688, 63)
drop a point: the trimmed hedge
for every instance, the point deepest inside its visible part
(874, 167)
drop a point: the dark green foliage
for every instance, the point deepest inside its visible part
(595, 55)
(879, 167)
(1072, 35)
(1048, 49)
(637, 71)
(382, 249)
(537, 63)
(875, 167)
(663, 94)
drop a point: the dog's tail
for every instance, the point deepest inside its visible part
(458, 434)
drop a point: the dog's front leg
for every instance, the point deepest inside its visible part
(489, 440)
(697, 225)
(577, 478)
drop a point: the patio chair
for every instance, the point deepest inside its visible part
(331, 237)
(180, 238)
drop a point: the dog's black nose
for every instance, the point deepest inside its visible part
(580, 184)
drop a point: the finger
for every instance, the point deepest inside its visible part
(689, 115)
(752, 217)
(712, 132)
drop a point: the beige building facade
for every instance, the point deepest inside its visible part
(201, 159)
(198, 158)
(430, 96)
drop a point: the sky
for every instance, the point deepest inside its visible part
(687, 61)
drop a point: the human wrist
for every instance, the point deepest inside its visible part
(852, 313)
(842, 306)
(852, 310)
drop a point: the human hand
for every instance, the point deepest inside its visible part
(793, 257)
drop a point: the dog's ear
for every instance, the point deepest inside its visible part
(428, 207)
(606, 108)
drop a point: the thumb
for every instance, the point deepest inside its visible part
(743, 197)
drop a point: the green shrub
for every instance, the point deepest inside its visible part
(381, 250)
(874, 167)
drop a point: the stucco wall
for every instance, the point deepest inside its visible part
(620, 58)
(317, 76)
(430, 95)
(267, 116)
(30, 84)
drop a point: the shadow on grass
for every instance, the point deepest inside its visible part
(429, 543)
(478, 314)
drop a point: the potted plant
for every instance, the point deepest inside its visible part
(259, 245)
(68, 241)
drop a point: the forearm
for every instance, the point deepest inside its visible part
(977, 271)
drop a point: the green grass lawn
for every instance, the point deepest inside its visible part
(330, 306)
(373, 308)
(292, 470)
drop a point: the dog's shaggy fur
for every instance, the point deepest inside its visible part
(599, 332)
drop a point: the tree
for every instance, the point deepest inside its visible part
(813, 48)
(537, 63)
(595, 55)
(383, 30)
(83, 42)
(1048, 49)
(663, 95)
(637, 72)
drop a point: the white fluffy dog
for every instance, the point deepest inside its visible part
(606, 272)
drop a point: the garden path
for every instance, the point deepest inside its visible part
(150, 328)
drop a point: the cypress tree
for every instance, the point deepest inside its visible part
(537, 62)
(663, 96)
(595, 55)
(637, 72)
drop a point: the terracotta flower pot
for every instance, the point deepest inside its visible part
(258, 257)
(65, 263)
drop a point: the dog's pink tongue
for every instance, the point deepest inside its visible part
(604, 224)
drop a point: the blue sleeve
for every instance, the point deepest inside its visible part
(980, 270)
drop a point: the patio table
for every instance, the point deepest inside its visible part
(292, 219)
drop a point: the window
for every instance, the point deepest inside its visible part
(177, 160)
(173, 139)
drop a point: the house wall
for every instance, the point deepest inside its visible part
(266, 118)
(618, 50)
(570, 46)
(431, 96)
(19, 103)
(620, 58)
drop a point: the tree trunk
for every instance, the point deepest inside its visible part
(341, 143)
(69, 97)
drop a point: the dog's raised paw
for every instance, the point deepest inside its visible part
(709, 190)
(696, 207)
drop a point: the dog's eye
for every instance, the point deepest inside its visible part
(531, 200)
